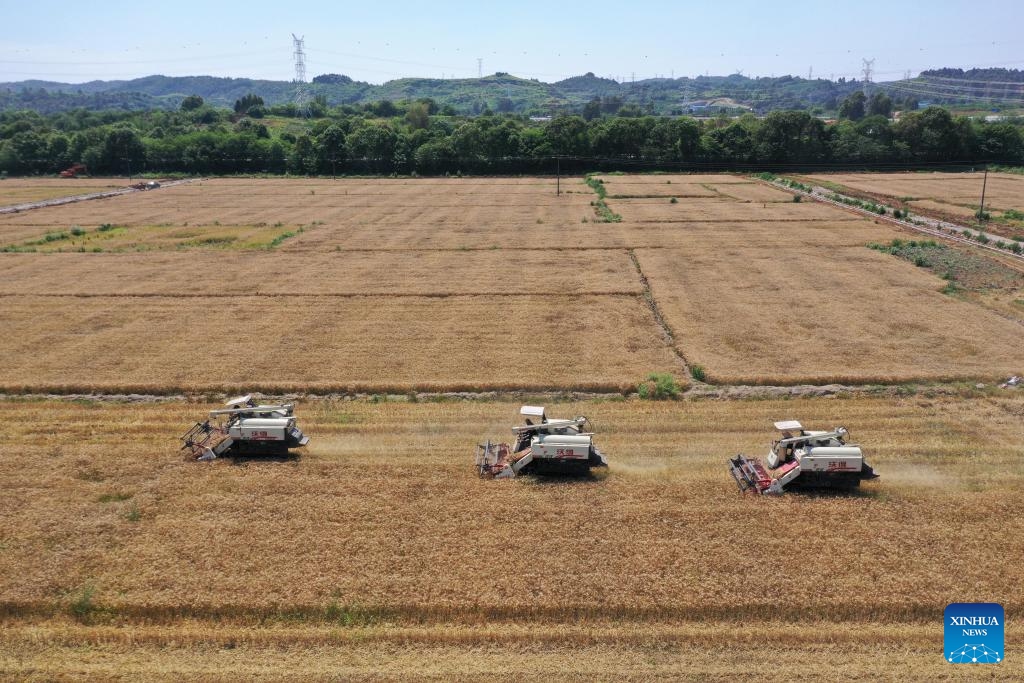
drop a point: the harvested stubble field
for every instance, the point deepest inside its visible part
(345, 273)
(1002, 191)
(450, 300)
(24, 190)
(336, 203)
(949, 196)
(824, 314)
(724, 210)
(733, 187)
(392, 561)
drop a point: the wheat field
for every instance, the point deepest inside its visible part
(378, 554)
(437, 284)
(825, 314)
(391, 559)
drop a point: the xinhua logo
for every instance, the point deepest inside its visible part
(974, 633)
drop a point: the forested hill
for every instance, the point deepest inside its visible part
(502, 92)
(498, 92)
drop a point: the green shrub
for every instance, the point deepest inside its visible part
(698, 373)
(673, 201)
(77, 231)
(658, 386)
(797, 198)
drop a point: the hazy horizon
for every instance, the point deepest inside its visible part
(548, 42)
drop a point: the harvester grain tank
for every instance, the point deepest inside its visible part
(803, 459)
(542, 447)
(244, 427)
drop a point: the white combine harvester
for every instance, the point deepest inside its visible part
(547, 447)
(803, 459)
(245, 428)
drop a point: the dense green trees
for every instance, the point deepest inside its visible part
(853, 107)
(406, 137)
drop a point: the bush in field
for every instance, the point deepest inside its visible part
(658, 386)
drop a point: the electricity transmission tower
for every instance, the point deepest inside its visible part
(869, 67)
(301, 93)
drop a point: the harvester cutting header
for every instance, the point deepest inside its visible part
(545, 447)
(244, 427)
(803, 459)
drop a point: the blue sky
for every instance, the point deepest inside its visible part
(379, 41)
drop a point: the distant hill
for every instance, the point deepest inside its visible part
(504, 92)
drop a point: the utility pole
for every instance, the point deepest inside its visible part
(984, 181)
(479, 67)
(558, 176)
(810, 72)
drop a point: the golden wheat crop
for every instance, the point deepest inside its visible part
(355, 343)
(379, 547)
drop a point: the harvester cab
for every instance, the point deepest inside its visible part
(244, 427)
(542, 446)
(803, 459)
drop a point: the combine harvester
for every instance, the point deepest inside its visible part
(550, 447)
(245, 428)
(803, 459)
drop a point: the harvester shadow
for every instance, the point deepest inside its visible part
(560, 479)
(852, 493)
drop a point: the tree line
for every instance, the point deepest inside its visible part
(418, 137)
